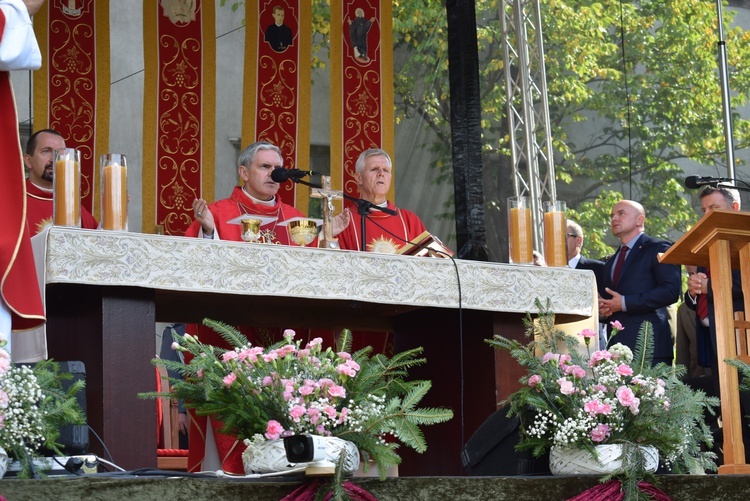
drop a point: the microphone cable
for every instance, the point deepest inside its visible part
(462, 385)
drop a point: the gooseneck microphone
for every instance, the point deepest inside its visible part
(281, 174)
(698, 181)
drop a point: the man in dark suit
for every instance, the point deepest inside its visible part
(700, 297)
(699, 284)
(574, 244)
(635, 286)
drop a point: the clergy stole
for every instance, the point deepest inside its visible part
(71, 90)
(277, 81)
(179, 44)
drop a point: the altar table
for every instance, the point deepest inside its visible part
(105, 290)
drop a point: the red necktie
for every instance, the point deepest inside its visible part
(618, 265)
(702, 304)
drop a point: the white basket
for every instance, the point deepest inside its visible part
(270, 456)
(3, 462)
(573, 461)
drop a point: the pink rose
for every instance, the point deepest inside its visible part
(330, 411)
(228, 355)
(289, 335)
(600, 433)
(229, 379)
(274, 430)
(535, 380)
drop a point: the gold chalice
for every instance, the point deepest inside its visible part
(303, 231)
(251, 230)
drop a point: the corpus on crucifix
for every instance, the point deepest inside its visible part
(328, 195)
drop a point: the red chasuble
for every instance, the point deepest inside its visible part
(228, 447)
(405, 226)
(39, 208)
(239, 203)
(18, 282)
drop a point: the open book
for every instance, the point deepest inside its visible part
(426, 244)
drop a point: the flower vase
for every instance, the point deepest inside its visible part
(269, 456)
(574, 461)
(3, 462)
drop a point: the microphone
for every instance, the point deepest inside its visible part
(698, 181)
(281, 174)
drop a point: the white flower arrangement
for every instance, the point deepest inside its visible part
(612, 396)
(33, 406)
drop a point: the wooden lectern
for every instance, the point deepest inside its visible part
(721, 240)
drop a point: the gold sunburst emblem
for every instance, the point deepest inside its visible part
(383, 245)
(41, 225)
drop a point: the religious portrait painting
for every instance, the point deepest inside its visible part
(179, 12)
(359, 34)
(280, 33)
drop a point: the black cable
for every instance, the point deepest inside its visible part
(460, 319)
(104, 446)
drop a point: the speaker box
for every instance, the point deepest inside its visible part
(491, 450)
(73, 438)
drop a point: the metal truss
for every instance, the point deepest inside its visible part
(528, 107)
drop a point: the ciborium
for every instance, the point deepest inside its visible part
(303, 231)
(250, 229)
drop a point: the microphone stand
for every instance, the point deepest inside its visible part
(725, 94)
(363, 207)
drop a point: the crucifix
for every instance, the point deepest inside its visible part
(328, 195)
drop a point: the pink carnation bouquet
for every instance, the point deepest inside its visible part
(290, 388)
(608, 396)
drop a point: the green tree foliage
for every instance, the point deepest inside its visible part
(633, 91)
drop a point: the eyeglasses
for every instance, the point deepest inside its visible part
(572, 235)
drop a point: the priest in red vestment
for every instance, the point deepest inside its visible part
(39, 156)
(21, 303)
(257, 197)
(384, 232)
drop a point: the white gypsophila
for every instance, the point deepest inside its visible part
(571, 430)
(541, 424)
(362, 413)
(23, 421)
